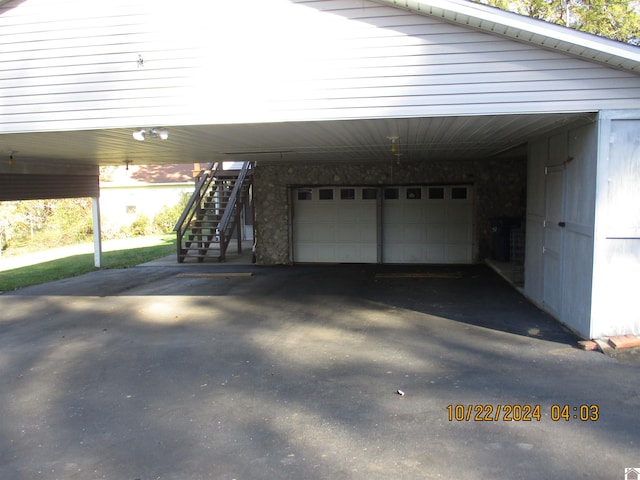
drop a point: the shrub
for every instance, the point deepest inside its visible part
(141, 226)
(166, 219)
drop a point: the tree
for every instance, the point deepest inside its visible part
(45, 223)
(8, 218)
(615, 19)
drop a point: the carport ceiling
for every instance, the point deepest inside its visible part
(442, 138)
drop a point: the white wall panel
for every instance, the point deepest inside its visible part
(616, 304)
(537, 159)
(74, 65)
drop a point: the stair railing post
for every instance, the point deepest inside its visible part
(239, 226)
(223, 249)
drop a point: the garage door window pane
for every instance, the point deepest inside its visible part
(305, 194)
(369, 193)
(325, 194)
(459, 193)
(414, 193)
(436, 193)
(347, 194)
(391, 193)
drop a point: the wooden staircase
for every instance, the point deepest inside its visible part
(213, 214)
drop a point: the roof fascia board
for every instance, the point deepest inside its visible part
(548, 35)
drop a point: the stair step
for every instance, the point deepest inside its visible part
(213, 206)
(201, 256)
(199, 251)
(200, 259)
(205, 221)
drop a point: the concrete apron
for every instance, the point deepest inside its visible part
(294, 372)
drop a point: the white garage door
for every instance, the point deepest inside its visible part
(427, 224)
(335, 224)
(416, 224)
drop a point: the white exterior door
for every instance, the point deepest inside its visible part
(553, 239)
(412, 224)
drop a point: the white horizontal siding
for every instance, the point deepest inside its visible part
(542, 91)
(470, 68)
(73, 65)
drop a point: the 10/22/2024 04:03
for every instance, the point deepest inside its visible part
(521, 413)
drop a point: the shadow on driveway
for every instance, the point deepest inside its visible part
(469, 294)
(292, 372)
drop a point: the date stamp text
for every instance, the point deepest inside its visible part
(521, 413)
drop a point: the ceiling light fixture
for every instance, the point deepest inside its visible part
(142, 133)
(393, 143)
(11, 159)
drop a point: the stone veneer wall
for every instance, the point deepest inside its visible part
(498, 187)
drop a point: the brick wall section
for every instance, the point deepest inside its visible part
(499, 190)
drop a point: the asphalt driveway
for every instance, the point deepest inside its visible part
(245, 372)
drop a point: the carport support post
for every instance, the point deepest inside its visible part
(97, 241)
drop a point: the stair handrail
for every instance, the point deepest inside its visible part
(226, 216)
(193, 204)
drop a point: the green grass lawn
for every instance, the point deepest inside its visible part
(74, 265)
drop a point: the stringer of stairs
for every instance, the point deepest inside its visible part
(213, 213)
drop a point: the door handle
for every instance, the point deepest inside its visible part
(562, 224)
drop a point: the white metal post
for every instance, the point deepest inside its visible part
(97, 241)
